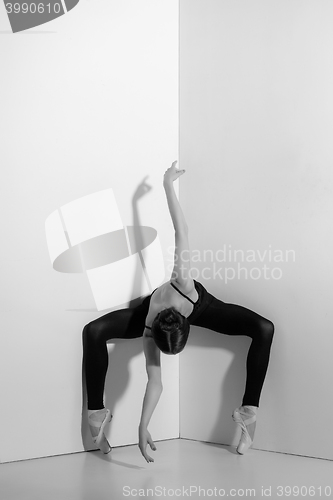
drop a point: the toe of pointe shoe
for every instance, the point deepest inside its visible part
(242, 448)
(104, 445)
(108, 448)
(100, 440)
(244, 443)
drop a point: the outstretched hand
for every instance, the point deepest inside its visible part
(144, 440)
(171, 174)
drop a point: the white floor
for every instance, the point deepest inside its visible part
(180, 469)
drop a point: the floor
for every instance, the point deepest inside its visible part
(182, 468)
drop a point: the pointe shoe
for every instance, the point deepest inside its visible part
(100, 440)
(244, 419)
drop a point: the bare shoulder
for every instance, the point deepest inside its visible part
(186, 287)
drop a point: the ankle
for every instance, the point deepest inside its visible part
(252, 409)
(90, 412)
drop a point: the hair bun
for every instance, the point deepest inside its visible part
(169, 316)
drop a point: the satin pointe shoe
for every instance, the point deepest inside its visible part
(97, 423)
(245, 418)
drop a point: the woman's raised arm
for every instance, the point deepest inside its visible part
(182, 260)
(175, 210)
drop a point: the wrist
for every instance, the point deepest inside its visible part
(168, 185)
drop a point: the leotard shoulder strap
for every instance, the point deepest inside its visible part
(183, 294)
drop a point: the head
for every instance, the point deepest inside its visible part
(170, 330)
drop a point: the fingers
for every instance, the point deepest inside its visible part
(171, 174)
(152, 444)
(148, 458)
(142, 448)
(173, 167)
(179, 173)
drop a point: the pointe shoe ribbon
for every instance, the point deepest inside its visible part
(243, 419)
(98, 440)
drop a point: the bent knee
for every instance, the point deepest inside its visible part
(85, 333)
(267, 329)
(90, 332)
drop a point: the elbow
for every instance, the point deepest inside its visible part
(158, 386)
(156, 383)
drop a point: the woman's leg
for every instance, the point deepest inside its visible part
(232, 319)
(124, 324)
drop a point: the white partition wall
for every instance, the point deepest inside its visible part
(89, 105)
(89, 124)
(256, 127)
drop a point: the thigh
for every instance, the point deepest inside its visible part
(126, 323)
(230, 319)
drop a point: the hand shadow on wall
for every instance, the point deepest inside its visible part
(118, 375)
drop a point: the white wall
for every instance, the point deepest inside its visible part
(88, 102)
(256, 125)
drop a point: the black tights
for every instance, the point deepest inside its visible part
(229, 319)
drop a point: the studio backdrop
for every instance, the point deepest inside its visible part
(89, 124)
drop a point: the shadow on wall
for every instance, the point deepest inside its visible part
(118, 374)
(230, 393)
